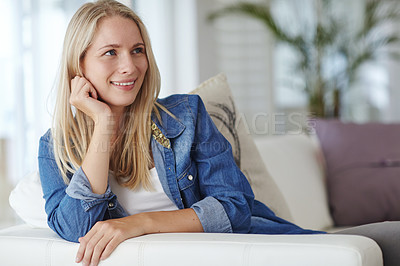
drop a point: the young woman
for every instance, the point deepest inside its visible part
(112, 137)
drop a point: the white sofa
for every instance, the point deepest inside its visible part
(295, 164)
(290, 180)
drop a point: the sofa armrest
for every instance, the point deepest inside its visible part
(23, 245)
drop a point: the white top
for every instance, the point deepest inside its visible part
(141, 200)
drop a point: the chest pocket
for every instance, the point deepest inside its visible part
(188, 178)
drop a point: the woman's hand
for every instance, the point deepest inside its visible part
(84, 97)
(105, 236)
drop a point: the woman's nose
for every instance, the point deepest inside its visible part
(127, 64)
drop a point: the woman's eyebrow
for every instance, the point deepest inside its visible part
(118, 45)
(110, 46)
(138, 44)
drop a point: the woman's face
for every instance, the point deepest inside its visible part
(116, 63)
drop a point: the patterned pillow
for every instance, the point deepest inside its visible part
(219, 103)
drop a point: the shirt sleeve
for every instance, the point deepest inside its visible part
(71, 209)
(212, 216)
(79, 188)
(227, 196)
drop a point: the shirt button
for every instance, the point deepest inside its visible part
(190, 177)
(110, 204)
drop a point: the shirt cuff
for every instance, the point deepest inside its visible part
(212, 216)
(80, 188)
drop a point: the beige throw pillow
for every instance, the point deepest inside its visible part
(294, 161)
(219, 103)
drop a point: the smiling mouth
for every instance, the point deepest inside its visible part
(123, 83)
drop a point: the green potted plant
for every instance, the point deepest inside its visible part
(331, 39)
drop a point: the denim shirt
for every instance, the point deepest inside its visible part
(196, 169)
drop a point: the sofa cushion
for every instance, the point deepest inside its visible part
(294, 162)
(363, 170)
(219, 103)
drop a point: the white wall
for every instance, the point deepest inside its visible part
(241, 48)
(393, 66)
(172, 28)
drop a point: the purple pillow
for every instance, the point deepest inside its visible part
(363, 170)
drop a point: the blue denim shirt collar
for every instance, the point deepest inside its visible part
(170, 126)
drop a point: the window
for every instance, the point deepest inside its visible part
(28, 65)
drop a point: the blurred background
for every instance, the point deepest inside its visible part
(285, 60)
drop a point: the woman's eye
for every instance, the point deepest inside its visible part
(138, 50)
(111, 52)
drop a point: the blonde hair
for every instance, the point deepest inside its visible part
(131, 158)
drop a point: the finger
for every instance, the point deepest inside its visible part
(76, 85)
(74, 82)
(84, 242)
(82, 85)
(82, 91)
(81, 251)
(93, 92)
(87, 89)
(111, 246)
(99, 249)
(90, 247)
(82, 248)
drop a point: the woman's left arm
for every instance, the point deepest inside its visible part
(105, 236)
